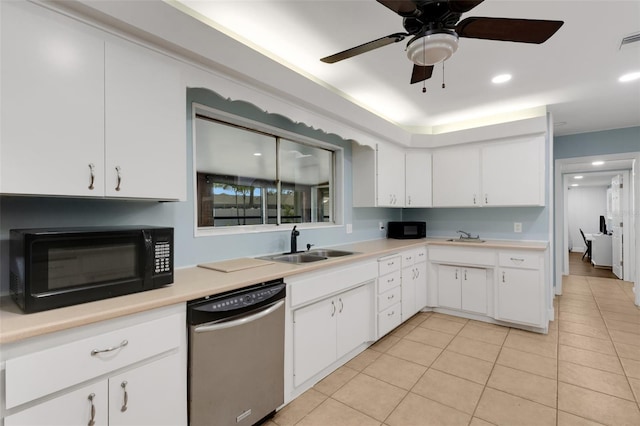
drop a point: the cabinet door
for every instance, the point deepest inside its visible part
(408, 292)
(145, 131)
(421, 285)
(449, 290)
(456, 177)
(474, 290)
(519, 296)
(390, 175)
(417, 179)
(52, 104)
(513, 173)
(147, 395)
(314, 339)
(355, 318)
(71, 409)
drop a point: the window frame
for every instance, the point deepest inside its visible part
(337, 180)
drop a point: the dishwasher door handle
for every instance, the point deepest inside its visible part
(240, 321)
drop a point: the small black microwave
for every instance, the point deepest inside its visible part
(52, 268)
(406, 230)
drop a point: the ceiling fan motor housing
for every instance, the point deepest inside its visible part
(432, 48)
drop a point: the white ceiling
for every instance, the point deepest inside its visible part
(574, 74)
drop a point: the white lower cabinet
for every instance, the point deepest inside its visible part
(126, 371)
(462, 288)
(325, 331)
(519, 296)
(414, 281)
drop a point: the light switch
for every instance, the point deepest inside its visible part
(349, 228)
(517, 226)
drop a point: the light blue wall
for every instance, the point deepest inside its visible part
(597, 143)
(28, 212)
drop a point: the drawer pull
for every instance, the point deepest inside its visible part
(517, 259)
(390, 281)
(392, 313)
(92, 420)
(390, 263)
(503, 277)
(125, 401)
(119, 176)
(391, 297)
(110, 349)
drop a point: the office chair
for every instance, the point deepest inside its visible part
(587, 243)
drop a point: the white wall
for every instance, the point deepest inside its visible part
(585, 206)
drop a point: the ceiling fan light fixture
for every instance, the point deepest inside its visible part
(432, 48)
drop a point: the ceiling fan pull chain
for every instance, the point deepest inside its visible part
(443, 85)
(424, 85)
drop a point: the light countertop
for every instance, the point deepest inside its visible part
(194, 282)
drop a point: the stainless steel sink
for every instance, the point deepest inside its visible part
(295, 258)
(329, 253)
(466, 240)
(314, 255)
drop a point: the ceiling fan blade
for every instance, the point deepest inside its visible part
(421, 73)
(508, 29)
(366, 47)
(461, 6)
(401, 7)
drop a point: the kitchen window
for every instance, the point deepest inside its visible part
(256, 177)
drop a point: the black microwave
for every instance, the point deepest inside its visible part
(406, 230)
(52, 268)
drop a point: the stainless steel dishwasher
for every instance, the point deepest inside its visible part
(236, 356)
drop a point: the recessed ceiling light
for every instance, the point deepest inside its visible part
(629, 77)
(574, 184)
(502, 78)
(597, 163)
(578, 177)
(257, 154)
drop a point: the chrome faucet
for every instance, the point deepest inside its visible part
(467, 235)
(294, 239)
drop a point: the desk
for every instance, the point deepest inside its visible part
(601, 250)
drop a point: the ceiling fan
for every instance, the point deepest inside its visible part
(435, 26)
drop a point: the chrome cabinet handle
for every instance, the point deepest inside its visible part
(456, 274)
(341, 305)
(503, 277)
(110, 349)
(465, 274)
(392, 313)
(92, 420)
(93, 175)
(125, 401)
(474, 198)
(391, 297)
(390, 263)
(517, 259)
(390, 281)
(333, 305)
(119, 178)
(486, 199)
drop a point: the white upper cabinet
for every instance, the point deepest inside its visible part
(52, 104)
(513, 173)
(456, 177)
(509, 173)
(378, 176)
(390, 175)
(77, 103)
(144, 109)
(417, 179)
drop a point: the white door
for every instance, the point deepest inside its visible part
(408, 292)
(421, 285)
(71, 409)
(314, 339)
(449, 291)
(474, 290)
(617, 264)
(418, 179)
(355, 318)
(147, 395)
(52, 104)
(519, 296)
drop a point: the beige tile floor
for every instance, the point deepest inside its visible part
(442, 370)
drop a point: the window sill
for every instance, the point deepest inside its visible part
(259, 229)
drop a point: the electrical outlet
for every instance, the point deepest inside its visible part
(380, 226)
(349, 228)
(517, 227)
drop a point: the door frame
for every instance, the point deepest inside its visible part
(632, 235)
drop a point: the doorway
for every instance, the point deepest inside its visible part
(627, 163)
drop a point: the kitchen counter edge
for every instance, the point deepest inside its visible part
(194, 282)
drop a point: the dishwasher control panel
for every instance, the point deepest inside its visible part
(237, 301)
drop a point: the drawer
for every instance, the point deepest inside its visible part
(389, 319)
(408, 258)
(40, 373)
(389, 264)
(387, 282)
(389, 298)
(519, 260)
